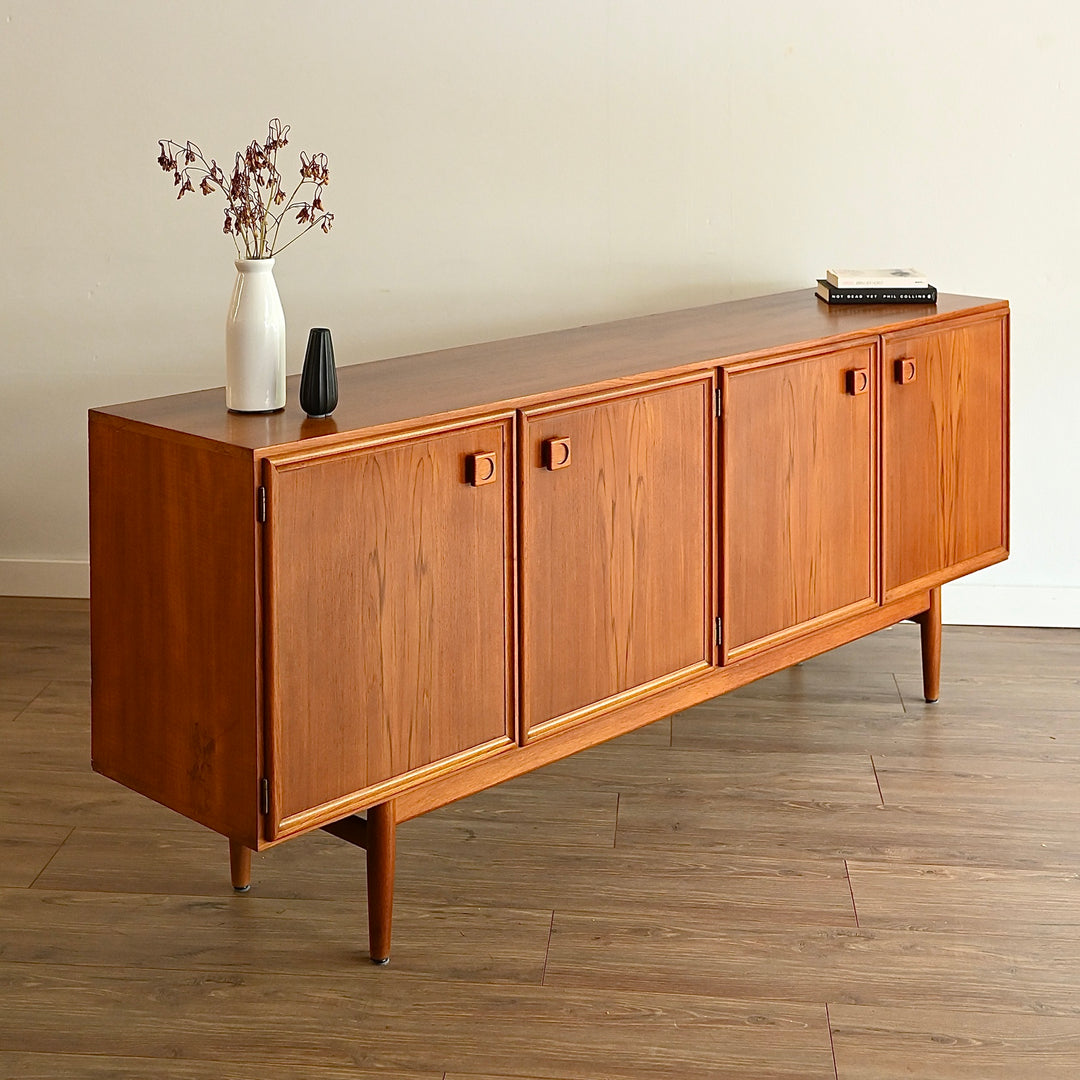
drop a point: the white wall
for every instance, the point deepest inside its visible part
(506, 166)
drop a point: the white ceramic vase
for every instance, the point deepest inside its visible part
(255, 340)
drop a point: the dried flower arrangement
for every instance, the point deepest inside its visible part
(254, 191)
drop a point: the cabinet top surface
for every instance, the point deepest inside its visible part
(441, 385)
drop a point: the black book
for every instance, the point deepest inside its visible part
(832, 295)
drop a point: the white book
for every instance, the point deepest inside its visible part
(906, 278)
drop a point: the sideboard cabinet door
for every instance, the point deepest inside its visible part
(387, 607)
(945, 471)
(799, 496)
(616, 565)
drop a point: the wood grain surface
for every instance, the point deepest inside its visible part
(817, 876)
(407, 1023)
(799, 496)
(305, 936)
(952, 1044)
(615, 568)
(107, 1067)
(392, 650)
(174, 574)
(25, 851)
(451, 382)
(436, 872)
(1015, 972)
(945, 453)
(968, 898)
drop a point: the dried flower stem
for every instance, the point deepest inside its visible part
(253, 190)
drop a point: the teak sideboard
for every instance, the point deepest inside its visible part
(494, 556)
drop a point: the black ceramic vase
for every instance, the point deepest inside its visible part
(318, 382)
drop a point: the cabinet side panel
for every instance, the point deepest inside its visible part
(945, 503)
(174, 698)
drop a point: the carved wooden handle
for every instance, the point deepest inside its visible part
(858, 381)
(556, 453)
(904, 370)
(480, 469)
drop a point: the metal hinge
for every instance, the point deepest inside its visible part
(264, 795)
(718, 394)
(260, 504)
(719, 631)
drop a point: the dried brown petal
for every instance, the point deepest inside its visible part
(249, 212)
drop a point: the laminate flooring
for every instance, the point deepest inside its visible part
(817, 876)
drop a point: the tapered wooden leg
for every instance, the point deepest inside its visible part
(240, 865)
(380, 842)
(930, 625)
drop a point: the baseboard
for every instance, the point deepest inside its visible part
(44, 577)
(1011, 605)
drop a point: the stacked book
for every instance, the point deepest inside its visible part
(901, 286)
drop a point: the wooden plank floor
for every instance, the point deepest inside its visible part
(818, 876)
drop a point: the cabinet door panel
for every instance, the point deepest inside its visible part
(945, 473)
(616, 569)
(799, 483)
(388, 581)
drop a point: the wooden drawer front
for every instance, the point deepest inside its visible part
(389, 631)
(799, 496)
(945, 412)
(616, 567)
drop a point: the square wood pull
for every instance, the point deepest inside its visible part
(556, 453)
(904, 370)
(480, 469)
(858, 381)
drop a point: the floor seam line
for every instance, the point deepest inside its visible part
(547, 951)
(899, 692)
(877, 780)
(30, 703)
(851, 890)
(37, 876)
(832, 1044)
